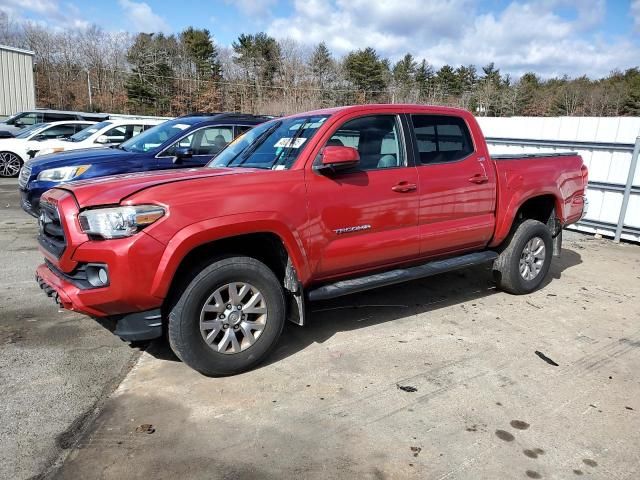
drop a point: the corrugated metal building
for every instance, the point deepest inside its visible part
(17, 92)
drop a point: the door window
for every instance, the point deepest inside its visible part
(441, 138)
(206, 141)
(117, 134)
(240, 129)
(57, 131)
(28, 119)
(377, 139)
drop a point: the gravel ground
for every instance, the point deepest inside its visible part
(56, 367)
(444, 378)
(441, 378)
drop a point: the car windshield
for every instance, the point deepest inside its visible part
(274, 145)
(28, 132)
(87, 132)
(156, 136)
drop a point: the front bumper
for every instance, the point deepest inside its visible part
(30, 202)
(30, 195)
(131, 327)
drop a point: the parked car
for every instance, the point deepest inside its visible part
(15, 123)
(188, 141)
(108, 133)
(13, 151)
(299, 209)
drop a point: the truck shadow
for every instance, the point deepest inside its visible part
(466, 288)
(387, 304)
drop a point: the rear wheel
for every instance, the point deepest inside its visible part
(10, 164)
(524, 263)
(228, 318)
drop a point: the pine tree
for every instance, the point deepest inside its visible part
(259, 55)
(322, 65)
(202, 52)
(424, 79)
(366, 70)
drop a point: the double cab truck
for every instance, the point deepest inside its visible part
(299, 209)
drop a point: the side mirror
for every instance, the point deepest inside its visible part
(181, 153)
(102, 139)
(18, 123)
(338, 158)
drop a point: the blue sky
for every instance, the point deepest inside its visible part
(551, 37)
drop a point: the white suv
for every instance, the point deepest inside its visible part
(13, 151)
(104, 134)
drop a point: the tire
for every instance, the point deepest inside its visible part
(518, 269)
(10, 164)
(202, 337)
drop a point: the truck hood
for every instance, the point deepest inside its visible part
(112, 190)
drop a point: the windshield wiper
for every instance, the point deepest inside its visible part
(253, 147)
(289, 148)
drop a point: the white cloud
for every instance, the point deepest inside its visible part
(50, 13)
(521, 37)
(142, 18)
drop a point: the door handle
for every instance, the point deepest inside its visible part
(404, 187)
(479, 178)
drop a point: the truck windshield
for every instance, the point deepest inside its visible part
(274, 145)
(156, 136)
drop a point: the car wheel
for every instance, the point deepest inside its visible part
(228, 318)
(524, 263)
(10, 164)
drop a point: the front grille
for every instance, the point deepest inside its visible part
(51, 236)
(25, 173)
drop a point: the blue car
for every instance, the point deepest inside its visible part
(188, 141)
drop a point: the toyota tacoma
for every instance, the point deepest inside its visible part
(299, 209)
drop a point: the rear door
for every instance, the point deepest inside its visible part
(365, 217)
(457, 186)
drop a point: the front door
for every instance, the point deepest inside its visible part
(365, 217)
(203, 144)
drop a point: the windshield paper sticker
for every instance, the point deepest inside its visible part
(290, 143)
(181, 126)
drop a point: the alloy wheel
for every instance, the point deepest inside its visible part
(532, 258)
(233, 317)
(10, 164)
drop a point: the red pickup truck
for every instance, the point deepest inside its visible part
(302, 208)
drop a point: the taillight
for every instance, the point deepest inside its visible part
(585, 175)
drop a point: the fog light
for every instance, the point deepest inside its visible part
(102, 275)
(97, 275)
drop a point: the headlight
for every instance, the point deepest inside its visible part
(63, 174)
(47, 151)
(119, 222)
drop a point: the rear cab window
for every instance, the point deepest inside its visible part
(441, 138)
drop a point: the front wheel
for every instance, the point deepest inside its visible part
(228, 318)
(10, 164)
(524, 263)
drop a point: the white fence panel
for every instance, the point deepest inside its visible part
(609, 146)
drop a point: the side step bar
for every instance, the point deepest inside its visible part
(345, 287)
